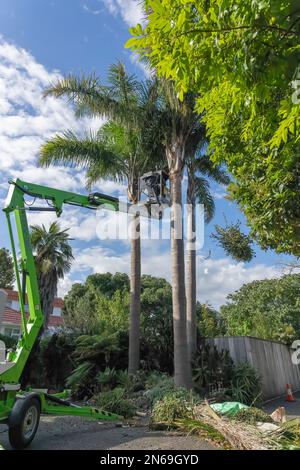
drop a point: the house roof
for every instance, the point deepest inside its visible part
(13, 295)
(12, 317)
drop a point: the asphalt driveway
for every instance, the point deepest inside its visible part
(292, 408)
(72, 433)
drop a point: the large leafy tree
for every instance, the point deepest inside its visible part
(53, 258)
(157, 325)
(209, 321)
(105, 299)
(267, 309)
(242, 59)
(122, 149)
(86, 305)
(7, 275)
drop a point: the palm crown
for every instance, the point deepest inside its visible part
(124, 147)
(53, 252)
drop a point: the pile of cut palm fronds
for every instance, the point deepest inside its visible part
(287, 436)
(241, 436)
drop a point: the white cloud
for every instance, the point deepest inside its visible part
(26, 119)
(218, 278)
(215, 278)
(130, 10)
(66, 284)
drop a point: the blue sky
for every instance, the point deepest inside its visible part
(41, 39)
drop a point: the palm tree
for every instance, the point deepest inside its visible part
(131, 163)
(178, 123)
(199, 169)
(53, 258)
(120, 150)
(182, 133)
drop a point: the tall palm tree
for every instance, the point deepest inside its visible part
(53, 258)
(121, 149)
(132, 162)
(182, 132)
(178, 122)
(199, 169)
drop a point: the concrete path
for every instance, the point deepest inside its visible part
(71, 433)
(292, 408)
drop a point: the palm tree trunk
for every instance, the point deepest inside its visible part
(48, 291)
(182, 366)
(135, 293)
(191, 278)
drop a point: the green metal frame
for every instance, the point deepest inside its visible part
(31, 326)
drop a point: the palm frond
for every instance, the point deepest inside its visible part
(75, 88)
(205, 166)
(205, 197)
(123, 87)
(69, 150)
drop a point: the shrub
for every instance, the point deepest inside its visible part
(115, 401)
(253, 415)
(212, 369)
(50, 361)
(157, 378)
(171, 408)
(164, 385)
(10, 342)
(80, 380)
(107, 379)
(246, 384)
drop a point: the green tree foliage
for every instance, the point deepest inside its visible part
(113, 312)
(209, 321)
(7, 275)
(101, 304)
(235, 243)
(267, 309)
(156, 324)
(107, 284)
(243, 61)
(86, 306)
(102, 345)
(53, 259)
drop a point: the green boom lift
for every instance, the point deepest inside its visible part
(21, 410)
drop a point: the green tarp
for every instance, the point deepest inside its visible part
(229, 408)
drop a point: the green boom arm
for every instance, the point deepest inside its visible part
(11, 372)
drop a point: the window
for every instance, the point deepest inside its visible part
(15, 305)
(9, 304)
(12, 332)
(56, 312)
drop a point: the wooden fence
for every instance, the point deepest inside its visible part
(272, 360)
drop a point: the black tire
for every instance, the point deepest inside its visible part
(24, 422)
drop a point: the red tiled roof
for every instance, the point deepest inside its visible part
(13, 295)
(12, 317)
